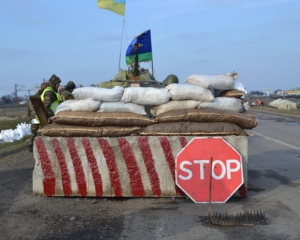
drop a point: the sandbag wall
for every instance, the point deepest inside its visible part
(189, 109)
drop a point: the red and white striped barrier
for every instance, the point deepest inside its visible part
(114, 167)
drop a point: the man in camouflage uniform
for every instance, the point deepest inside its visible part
(67, 92)
(32, 116)
(50, 96)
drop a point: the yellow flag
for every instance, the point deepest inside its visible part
(117, 6)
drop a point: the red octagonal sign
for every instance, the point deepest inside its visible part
(195, 176)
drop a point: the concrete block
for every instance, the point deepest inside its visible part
(115, 167)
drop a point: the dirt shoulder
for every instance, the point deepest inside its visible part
(294, 116)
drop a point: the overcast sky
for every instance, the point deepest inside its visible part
(259, 39)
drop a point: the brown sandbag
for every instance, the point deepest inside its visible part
(194, 129)
(232, 93)
(98, 119)
(244, 120)
(57, 130)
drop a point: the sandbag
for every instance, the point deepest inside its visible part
(219, 82)
(122, 107)
(189, 92)
(64, 106)
(87, 105)
(224, 103)
(244, 120)
(23, 129)
(194, 129)
(97, 119)
(99, 94)
(232, 93)
(174, 105)
(239, 86)
(5, 136)
(56, 130)
(145, 95)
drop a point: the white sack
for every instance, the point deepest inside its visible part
(99, 94)
(26, 128)
(9, 135)
(174, 105)
(13, 134)
(246, 105)
(239, 86)
(122, 107)
(219, 82)
(87, 105)
(64, 106)
(146, 96)
(189, 92)
(5, 136)
(224, 103)
(23, 129)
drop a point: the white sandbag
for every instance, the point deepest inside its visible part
(88, 105)
(145, 96)
(26, 128)
(218, 82)
(99, 94)
(224, 103)
(122, 107)
(189, 92)
(13, 134)
(239, 86)
(174, 105)
(246, 105)
(21, 131)
(5, 136)
(1, 137)
(64, 106)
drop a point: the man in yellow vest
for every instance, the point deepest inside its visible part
(50, 96)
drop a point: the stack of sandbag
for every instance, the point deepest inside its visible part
(194, 109)
(184, 96)
(100, 112)
(201, 122)
(223, 86)
(95, 124)
(179, 109)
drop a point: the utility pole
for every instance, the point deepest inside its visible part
(16, 93)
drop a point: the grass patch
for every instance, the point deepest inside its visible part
(14, 147)
(275, 110)
(12, 123)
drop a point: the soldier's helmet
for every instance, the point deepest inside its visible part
(70, 85)
(54, 80)
(170, 79)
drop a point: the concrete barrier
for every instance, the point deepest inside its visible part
(115, 167)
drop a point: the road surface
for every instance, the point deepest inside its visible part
(274, 188)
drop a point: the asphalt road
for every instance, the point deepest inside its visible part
(274, 188)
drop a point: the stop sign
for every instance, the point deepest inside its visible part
(194, 174)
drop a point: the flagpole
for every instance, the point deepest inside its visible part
(121, 43)
(152, 67)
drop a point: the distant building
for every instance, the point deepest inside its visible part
(292, 93)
